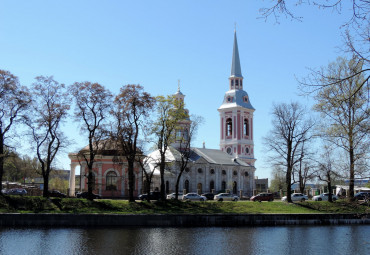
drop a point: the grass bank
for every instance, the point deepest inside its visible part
(28, 204)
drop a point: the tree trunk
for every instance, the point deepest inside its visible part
(2, 159)
(131, 180)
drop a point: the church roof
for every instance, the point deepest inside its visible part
(236, 97)
(219, 157)
(236, 70)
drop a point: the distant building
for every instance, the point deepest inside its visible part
(262, 185)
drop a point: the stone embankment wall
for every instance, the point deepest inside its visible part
(159, 220)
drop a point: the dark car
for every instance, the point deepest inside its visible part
(16, 191)
(363, 195)
(155, 195)
(56, 193)
(263, 197)
(209, 196)
(85, 194)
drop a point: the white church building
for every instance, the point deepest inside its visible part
(229, 169)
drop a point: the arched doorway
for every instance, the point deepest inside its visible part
(199, 188)
(223, 186)
(211, 186)
(187, 186)
(235, 188)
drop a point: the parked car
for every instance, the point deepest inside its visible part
(85, 194)
(154, 195)
(56, 193)
(16, 191)
(296, 197)
(173, 195)
(209, 196)
(226, 197)
(263, 197)
(324, 197)
(362, 195)
(194, 196)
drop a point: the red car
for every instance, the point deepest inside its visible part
(263, 197)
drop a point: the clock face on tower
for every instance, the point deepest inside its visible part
(228, 150)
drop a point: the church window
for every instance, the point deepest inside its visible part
(223, 185)
(187, 169)
(246, 127)
(111, 181)
(224, 172)
(228, 150)
(186, 134)
(232, 83)
(245, 99)
(187, 185)
(235, 173)
(236, 82)
(211, 186)
(200, 170)
(167, 187)
(199, 187)
(229, 127)
(246, 150)
(241, 83)
(246, 174)
(212, 171)
(235, 188)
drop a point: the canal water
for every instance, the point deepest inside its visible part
(349, 239)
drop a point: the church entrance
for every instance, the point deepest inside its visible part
(199, 187)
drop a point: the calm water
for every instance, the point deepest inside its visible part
(247, 240)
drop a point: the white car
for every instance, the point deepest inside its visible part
(226, 197)
(324, 197)
(173, 195)
(296, 197)
(194, 196)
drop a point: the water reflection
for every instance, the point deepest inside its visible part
(247, 240)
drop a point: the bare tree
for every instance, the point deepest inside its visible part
(92, 105)
(326, 169)
(303, 171)
(185, 139)
(344, 106)
(290, 129)
(13, 100)
(356, 32)
(131, 113)
(50, 105)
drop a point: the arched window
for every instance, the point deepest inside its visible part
(246, 127)
(232, 83)
(224, 172)
(211, 186)
(111, 181)
(235, 190)
(223, 185)
(200, 170)
(212, 171)
(229, 127)
(187, 186)
(199, 187)
(167, 187)
(186, 134)
(246, 173)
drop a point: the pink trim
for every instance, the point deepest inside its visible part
(239, 148)
(238, 126)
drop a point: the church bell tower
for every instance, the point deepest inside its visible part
(236, 115)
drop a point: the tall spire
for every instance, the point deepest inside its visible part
(235, 64)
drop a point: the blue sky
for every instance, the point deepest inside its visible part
(157, 43)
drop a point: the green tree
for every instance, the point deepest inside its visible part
(344, 107)
(278, 179)
(168, 116)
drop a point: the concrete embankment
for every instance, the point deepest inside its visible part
(160, 220)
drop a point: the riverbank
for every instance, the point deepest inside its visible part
(173, 220)
(30, 211)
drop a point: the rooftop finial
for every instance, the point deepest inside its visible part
(178, 85)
